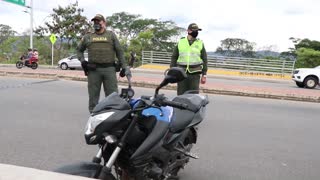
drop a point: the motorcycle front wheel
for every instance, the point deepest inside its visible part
(19, 64)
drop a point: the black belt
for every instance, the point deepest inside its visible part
(191, 66)
(104, 65)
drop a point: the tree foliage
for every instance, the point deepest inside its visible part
(307, 58)
(306, 43)
(236, 47)
(142, 34)
(6, 32)
(306, 52)
(129, 26)
(67, 24)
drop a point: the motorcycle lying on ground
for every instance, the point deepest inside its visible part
(145, 138)
(32, 65)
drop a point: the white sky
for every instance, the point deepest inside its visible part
(265, 22)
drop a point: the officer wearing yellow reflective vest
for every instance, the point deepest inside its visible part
(103, 46)
(190, 54)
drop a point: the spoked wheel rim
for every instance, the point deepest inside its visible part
(19, 65)
(64, 66)
(311, 83)
(34, 65)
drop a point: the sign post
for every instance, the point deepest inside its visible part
(53, 39)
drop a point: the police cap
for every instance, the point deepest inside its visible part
(194, 27)
(98, 17)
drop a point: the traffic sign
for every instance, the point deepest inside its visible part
(53, 38)
(18, 2)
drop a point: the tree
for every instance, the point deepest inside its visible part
(236, 47)
(307, 58)
(138, 34)
(67, 24)
(129, 26)
(6, 32)
(306, 52)
(306, 43)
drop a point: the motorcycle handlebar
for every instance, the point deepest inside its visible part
(146, 97)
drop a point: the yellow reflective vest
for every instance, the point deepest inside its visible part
(190, 55)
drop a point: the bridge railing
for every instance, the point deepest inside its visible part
(231, 63)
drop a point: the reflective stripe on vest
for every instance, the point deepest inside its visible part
(101, 48)
(190, 56)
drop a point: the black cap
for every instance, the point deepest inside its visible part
(194, 27)
(98, 17)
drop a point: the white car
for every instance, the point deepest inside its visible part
(71, 62)
(307, 77)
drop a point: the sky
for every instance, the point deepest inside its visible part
(268, 23)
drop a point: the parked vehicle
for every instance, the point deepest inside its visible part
(71, 62)
(149, 137)
(33, 65)
(307, 77)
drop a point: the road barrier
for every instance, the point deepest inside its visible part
(231, 65)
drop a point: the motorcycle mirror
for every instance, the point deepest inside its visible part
(172, 75)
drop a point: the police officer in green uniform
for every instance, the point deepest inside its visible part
(102, 46)
(190, 55)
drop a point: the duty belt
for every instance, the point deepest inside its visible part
(104, 65)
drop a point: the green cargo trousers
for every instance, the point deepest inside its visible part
(190, 83)
(107, 77)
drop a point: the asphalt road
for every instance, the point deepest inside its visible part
(43, 121)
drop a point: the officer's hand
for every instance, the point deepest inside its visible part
(125, 72)
(84, 65)
(203, 79)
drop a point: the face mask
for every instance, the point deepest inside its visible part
(194, 34)
(97, 27)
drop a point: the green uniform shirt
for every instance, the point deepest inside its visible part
(102, 48)
(175, 56)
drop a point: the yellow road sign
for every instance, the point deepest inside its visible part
(53, 38)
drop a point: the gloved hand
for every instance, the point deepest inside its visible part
(117, 65)
(84, 65)
(125, 72)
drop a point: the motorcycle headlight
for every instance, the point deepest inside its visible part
(94, 121)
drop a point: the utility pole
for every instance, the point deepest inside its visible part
(31, 22)
(23, 3)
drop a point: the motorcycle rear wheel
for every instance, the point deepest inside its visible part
(34, 65)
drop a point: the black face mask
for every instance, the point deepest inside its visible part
(97, 27)
(194, 34)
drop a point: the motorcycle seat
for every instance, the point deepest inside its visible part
(182, 118)
(194, 101)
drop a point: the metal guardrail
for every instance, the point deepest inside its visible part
(231, 63)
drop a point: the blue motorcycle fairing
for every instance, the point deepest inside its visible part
(134, 102)
(164, 113)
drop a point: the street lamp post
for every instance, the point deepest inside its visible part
(31, 22)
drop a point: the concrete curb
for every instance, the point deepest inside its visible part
(169, 87)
